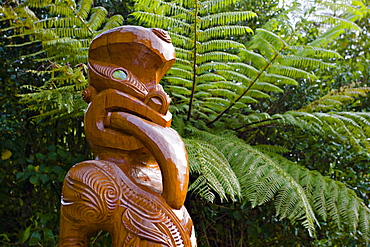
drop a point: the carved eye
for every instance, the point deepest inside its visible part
(119, 74)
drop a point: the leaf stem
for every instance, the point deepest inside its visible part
(245, 91)
(253, 82)
(194, 61)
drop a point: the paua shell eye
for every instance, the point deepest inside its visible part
(119, 74)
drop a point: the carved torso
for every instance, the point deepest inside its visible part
(136, 186)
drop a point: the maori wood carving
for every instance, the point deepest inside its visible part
(136, 187)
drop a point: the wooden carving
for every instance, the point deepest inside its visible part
(136, 187)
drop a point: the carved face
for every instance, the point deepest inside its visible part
(132, 60)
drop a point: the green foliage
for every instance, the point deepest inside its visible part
(64, 34)
(281, 99)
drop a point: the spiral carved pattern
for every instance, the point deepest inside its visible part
(92, 190)
(96, 191)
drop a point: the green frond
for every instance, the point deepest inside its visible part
(223, 32)
(336, 99)
(254, 58)
(181, 41)
(316, 52)
(38, 4)
(112, 22)
(209, 106)
(342, 7)
(238, 88)
(224, 93)
(61, 10)
(205, 87)
(216, 56)
(211, 6)
(173, 80)
(84, 7)
(220, 101)
(267, 87)
(337, 21)
(254, 93)
(291, 72)
(247, 100)
(271, 38)
(209, 67)
(303, 62)
(225, 18)
(262, 179)
(184, 53)
(97, 18)
(178, 90)
(221, 45)
(331, 199)
(183, 62)
(211, 165)
(327, 37)
(209, 77)
(160, 21)
(245, 69)
(272, 149)
(181, 73)
(343, 127)
(235, 76)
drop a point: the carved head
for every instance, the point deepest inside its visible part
(132, 60)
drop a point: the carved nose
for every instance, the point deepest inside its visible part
(158, 101)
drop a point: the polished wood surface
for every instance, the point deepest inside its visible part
(136, 187)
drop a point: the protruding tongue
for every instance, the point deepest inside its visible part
(167, 148)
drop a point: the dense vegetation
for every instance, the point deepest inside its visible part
(271, 100)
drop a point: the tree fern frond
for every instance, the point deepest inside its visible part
(337, 21)
(304, 62)
(327, 37)
(254, 58)
(245, 69)
(223, 32)
(112, 22)
(272, 149)
(271, 38)
(84, 7)
(291, 72)
(216, 56)
(221, 45)
(211, 6)
(262, 179)
(336, 99)
(267, 87)
(161, 21)
(207, 160)
(97, 18)
(209, 77)
(317, 52)
(235, 76)
(181, 73)
(181, 41)
(225, 18)
(331, 199)
(174, 80)
(211, 66)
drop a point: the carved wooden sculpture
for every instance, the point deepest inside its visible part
(136, 187)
